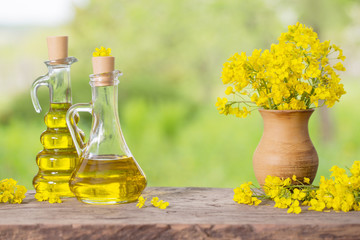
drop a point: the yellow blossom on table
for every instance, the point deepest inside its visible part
(295, 208)
(41, 197)
(47, 196)
(273, 186)
(54, 199)
(282, 202)
(141, 202)
(155, 201)
(244, 195)
(10, 192)
(6, 196)
(317, 205)
(255, 201)
(159, 204)
(298, 194)
(340, 192)
(163, 204)
(357, 207)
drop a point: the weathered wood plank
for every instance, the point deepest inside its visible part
(194, 213)
(177, 231)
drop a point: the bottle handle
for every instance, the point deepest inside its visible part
(41, 81)
(70, 121)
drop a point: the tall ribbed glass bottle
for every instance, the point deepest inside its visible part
(58, 159)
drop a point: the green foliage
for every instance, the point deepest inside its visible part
(179, 146)
(171, 49)
(18, 150)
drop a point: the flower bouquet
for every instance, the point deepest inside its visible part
(295, 74)
(284, 83)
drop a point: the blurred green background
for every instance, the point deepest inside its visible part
(171, 54)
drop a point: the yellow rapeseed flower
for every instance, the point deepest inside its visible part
(155, 201)
(340, 192)
(159, 204)
(355, 169)
(317, 205)
(10, 192)
(47, 196)
(285, 77)
(306, 180)
(244, 195)
(339, 66)
(55, 199)
(163, 205)
(229, 90)
(141, 202)
(102, 52)
(295, 208)
(298, 194)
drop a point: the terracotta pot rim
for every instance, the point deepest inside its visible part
(286, 111)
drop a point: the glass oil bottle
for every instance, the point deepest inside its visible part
(58, 159)
(107, 173)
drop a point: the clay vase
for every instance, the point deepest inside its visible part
(285, 149)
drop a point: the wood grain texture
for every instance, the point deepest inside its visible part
(194, 213)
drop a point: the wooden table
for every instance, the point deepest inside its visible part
(194, 213)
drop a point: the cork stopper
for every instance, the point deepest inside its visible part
(104, 65)
(57, 47)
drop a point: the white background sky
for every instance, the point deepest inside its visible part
(37, 12)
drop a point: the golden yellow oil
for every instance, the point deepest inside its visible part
(59, 158)
(107, 179)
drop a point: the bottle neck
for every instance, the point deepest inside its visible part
(105, 102)
(59, 84)
(105, 97)
(59, 79)
(105, 137)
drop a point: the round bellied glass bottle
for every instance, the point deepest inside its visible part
(108, 172)
(58, 159)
